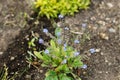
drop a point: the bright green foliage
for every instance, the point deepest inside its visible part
(61, 61)
(31, 43)
(52, 8)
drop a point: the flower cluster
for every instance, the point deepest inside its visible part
(59, 56)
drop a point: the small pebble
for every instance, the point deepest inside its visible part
(110, 64)
(84, 73)
(93, 18)
(36, 22)
(110, 5)
(1, 53)
(59, 24)
(106, 60)
(28, 76)
(102, 53)
(18, 64)
(104, 36)
(101, 22)
(12, 58)
(111, 30)
(100, 72)
(106, 72)
(97, 50)
(41, 71)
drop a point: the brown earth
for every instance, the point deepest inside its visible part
(102, 21)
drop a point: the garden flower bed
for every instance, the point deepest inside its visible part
(94, 33)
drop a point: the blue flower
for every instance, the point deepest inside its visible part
(41, 41)
(66, 28)
(84, 25)
(60, 16)
(64, 61)
(65, 45)
(76, 54)
(84, 66)
(64, 48)
(92, 50)
(46, 51)
(59, 41)
(45, 30)
(58, 34)
(76, 41)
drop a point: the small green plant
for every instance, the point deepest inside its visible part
(4, 73)
(52, 8)
(61, 61)
(58, 57)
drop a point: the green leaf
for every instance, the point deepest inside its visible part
(51, 78)
(76, 77)
(46, 58)
(31, 54)
(44, 65)
(64, 77)
(63, 68)
(31, 43)
(52, 43)
(77, 62)
(54, 64)
(38, 55)
(51, 75)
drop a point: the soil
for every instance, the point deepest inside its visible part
(100, 23)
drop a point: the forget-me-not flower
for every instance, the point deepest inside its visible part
(41, 41)
(84, 66)
(76, 53)
(60, 16)
(45, 30)
(59, 41)
(66, 28)
(76, 41)
(92, 50)
(64, 61)
(65, 45)
(58, 34)
(64, 48)
(46, 51)
(84, 25)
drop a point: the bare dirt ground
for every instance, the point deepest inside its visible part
(101, 21)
